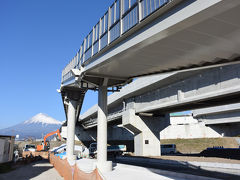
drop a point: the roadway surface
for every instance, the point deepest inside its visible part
(126, 169)
(40, 170)
(185, 168)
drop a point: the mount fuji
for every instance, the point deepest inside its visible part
(36, 127)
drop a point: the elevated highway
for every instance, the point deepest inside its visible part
(159, 94)
(142, 37)
(143, 106)
(224, 114)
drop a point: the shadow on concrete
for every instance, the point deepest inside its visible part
(29, 171)
(178, 167)
(229, 153)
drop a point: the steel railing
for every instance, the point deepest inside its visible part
(121, 16)
(93, 122)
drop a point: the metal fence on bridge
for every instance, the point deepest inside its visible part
(121, 16)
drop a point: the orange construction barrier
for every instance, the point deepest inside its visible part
(72, 172)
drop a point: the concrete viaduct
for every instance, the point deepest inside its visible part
(163, 94)
(142, 37)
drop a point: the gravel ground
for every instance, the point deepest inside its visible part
(40, 170)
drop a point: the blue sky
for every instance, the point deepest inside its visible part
(37, 39)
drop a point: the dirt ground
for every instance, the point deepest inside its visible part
(40, 170)
(21, 144)
(197, 145)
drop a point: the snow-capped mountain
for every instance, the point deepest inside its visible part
(36, 127)
(42, 119)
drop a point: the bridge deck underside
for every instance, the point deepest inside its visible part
(211, 35)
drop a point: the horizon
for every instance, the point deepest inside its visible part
(24, 121)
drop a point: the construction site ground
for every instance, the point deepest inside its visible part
(39, 170)
(188, 151)
(197, 145)
(43, 170)
(198, 159)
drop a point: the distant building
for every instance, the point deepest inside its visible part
(6, 148)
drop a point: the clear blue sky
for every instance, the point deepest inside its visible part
(37, 39)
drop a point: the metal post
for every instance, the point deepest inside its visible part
(120, 16)
(109, 20)
(99, 34)
(71, 129)
(139, 11)
(102, 163)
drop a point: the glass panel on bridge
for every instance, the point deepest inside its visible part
(95, 47)
(125, 6)
(149, 6)
(153, 6)
(114, 12)
(117, 14)
(130, 19)
(132, 2)
(104, 41)
(88, 54)
(115, 32)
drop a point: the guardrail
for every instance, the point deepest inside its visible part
(121, 16)
(93, 122)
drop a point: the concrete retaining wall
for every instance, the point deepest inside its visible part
(188, 131)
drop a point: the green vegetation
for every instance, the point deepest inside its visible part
(198, 145)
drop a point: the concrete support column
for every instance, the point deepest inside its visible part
(146, 132)
(102, 163)
(71, 129)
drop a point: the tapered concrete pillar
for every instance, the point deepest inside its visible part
(102, 163)
(71, 129)
(146, 131)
